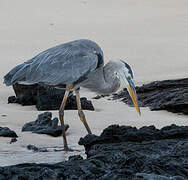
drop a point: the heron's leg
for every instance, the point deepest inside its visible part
(61, 116)
(80, 112)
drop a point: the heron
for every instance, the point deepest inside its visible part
(75, 64)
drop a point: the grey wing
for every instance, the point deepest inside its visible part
(62, 64)
(57, 68)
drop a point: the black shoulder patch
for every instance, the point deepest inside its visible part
(100, 60)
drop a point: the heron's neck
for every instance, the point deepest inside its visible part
(103, 81)
(111, 82)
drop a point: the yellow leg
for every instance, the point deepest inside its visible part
(61, 116)
(80, 112)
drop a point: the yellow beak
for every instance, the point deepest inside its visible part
(133, 95)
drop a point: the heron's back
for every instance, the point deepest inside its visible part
(63, 64)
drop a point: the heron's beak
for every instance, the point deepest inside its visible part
(132, 93)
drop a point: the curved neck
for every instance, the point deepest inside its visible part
(103, 81)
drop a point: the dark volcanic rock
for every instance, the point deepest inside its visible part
(36, 149)
(45, 125)
(6, 132)
(45, 97)
(12, 99)
(119, 134)
(25, 94)
(13, 140)
(126, 151)
(120, 152)
(170, 95)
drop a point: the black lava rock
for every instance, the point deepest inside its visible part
(25, 94)
(36, 149)
(12, 99)
(6, 132)
(126, 152)
(45, 97)
(170, 95)
(120, 152)
(45, 125)
(13, 140)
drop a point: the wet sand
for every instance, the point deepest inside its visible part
(150, 35)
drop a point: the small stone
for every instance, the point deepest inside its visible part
(44, 124)
(6, 132)
(4, 115)
(12, 99)
(36, 149)
(13, 140)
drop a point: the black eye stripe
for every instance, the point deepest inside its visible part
(128, 67)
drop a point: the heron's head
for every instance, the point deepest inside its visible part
(125, 75)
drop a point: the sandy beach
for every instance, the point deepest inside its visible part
(151, 36)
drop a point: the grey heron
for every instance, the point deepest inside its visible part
(75, 64)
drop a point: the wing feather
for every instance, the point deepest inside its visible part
(62, 65)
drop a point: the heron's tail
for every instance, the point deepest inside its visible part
(16, 74)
